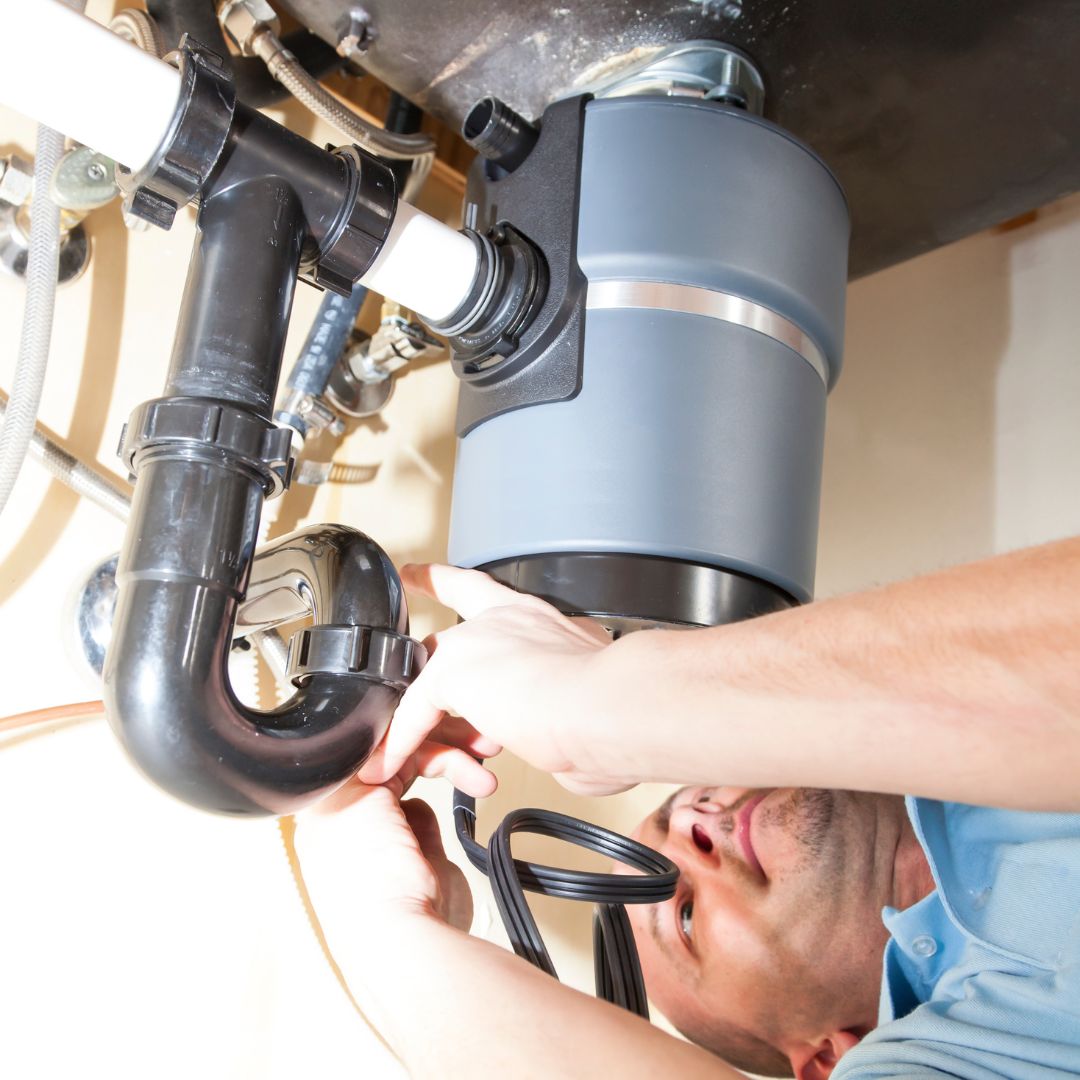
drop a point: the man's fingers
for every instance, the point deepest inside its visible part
(425, 825)
(468, 592)
(430, 643)
(414, 719)
(590, 785)
(378, 769)
(401, 783)
(456, 896)
(592, 628)
(351, 793)
(463, 771)
(457, 731)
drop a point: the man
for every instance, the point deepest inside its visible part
(779, 901)
(964, 686)
(770, 953)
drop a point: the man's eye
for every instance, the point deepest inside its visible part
(686, 918)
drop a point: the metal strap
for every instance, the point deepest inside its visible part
(713, 304)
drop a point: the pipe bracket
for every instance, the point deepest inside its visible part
(369, 651)
(181, 425)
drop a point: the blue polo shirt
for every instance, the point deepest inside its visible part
(982, 977)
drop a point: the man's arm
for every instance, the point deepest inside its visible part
(449, 1005)
(962, 685)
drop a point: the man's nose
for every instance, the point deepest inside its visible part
(702, 828)
(719, 799)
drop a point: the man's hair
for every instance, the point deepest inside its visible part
(739, 1048)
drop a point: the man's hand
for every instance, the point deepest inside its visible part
(446, 1004)
(368, 858)
(980, 663)
(516, 669)
(451, 750)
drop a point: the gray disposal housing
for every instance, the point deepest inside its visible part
(693, 439)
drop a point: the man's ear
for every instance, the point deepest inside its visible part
(816, 1060)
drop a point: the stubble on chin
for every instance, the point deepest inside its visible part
(807, 817)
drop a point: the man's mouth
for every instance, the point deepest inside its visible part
(742, 833)
(701, 839)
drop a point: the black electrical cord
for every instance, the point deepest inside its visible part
(615, 963)
(618, 971)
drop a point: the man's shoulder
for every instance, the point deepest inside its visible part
(986, 970)
(1010, 879)
(988, 1017)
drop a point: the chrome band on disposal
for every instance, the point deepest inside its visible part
(693, 300)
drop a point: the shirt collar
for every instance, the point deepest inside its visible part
(921, 947)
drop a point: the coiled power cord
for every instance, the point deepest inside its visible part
(615, 957)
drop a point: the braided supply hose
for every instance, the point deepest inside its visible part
(284, 67)
(106, 492)
(140, 29)
(43, 262)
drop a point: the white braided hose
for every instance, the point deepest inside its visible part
(42, 267)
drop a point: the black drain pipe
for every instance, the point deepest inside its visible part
(207, 454)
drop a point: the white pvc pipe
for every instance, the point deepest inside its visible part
(69, 72)
(74, 75)
(424, 264)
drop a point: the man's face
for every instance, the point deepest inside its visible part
(775, 926)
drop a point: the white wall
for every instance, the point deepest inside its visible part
(955, 429)
(151, 940)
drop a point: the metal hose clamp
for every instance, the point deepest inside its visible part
(182, 164)
(374, 653)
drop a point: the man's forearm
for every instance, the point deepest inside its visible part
(450, 1005)
(961, 685)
